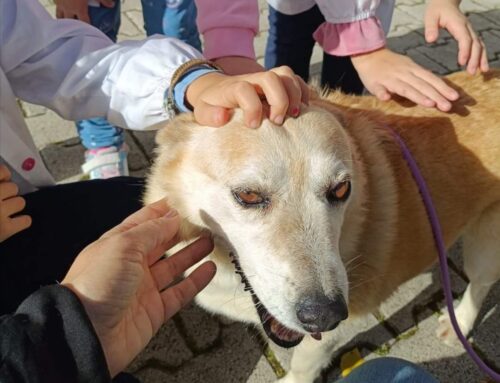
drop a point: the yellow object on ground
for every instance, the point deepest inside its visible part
(349, 361)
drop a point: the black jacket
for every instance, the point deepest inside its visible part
(50, 339)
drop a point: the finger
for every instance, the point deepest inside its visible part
(431, 27)
(462, 34)
(380, 92)
(438, 83)
(83, 14)
(428, 89)
(293, 89)
(8, 189)
(244, 95)
(406, 90)
(166, 270)
(149, 239)
(276, 95)
(476, 51)
(206, 114)
(4, 173)
(59, 14)
(178, 296)
(155, 210)
(484, 59)
(12, 206)
(18, 224)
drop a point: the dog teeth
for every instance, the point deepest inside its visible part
(316, 335)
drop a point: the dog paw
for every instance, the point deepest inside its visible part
(446, 333)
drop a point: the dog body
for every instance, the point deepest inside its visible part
(323, 213)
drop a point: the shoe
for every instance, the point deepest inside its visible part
(106, 162)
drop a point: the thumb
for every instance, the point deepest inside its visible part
(431, 27)
(206, 114)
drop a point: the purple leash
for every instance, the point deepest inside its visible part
(438, 240)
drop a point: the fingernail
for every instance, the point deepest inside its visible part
(171, 213)
(254, 124)
(278, 120)
(295, 112)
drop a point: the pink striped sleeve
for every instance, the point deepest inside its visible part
(347, 39)
(228, 27)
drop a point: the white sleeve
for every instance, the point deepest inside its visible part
(74, 69)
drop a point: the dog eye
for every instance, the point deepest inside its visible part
(339, 193)
(249, 198)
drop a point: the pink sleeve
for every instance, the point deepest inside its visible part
(228, 27)
(347, 39)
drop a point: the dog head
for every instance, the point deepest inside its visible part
(276, 197)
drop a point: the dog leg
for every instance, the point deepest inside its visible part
(309, 358)
(482, 266)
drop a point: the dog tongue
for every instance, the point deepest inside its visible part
(316, 335)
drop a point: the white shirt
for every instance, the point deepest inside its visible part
(75, 70)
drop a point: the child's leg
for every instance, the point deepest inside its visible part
(98, 136)
(66, 218)
(290, 40)
(172, 18)
(339, 73)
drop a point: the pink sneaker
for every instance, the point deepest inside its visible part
(106, 162)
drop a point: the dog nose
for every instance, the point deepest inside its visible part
(318, 313)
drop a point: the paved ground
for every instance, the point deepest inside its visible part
(196, 347)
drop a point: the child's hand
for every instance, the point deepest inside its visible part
(446, 14)
(10, 204)
(384, 72)
(234, 65)
(214, 94)
(77, 9)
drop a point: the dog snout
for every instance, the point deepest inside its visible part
(319, 313)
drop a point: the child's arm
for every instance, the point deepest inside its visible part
(384, 72)
(446, 14)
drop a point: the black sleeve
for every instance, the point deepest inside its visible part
(50, 339)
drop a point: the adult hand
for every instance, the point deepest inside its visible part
(234, 65)
(10, 204)
(120, 280)
(77, 9)
(446, 14)
(384, 72)
(214, 94)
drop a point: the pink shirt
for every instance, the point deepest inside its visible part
(351, 26)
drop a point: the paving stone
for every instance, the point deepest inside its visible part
(480, 22)
(414, 11)
(64, 159)
(403, 19)
(128, 28)
(49, 128)
(32, 110)
(167, 349)
(233, 359)
(426, 62)
(492, 41)
(136, 158)
(146, 140)
(471, 6)
(403, 43)
(445, 54)
(262, 373)
(128, 5)
(137, 19)
(493, 15)
(200, 329)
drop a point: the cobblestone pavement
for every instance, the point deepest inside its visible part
(197, 347)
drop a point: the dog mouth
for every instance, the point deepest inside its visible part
(275, 330)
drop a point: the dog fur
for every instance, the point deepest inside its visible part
(363, 248)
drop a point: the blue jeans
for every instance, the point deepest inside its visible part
(388, 370)
(290, 42)
(173, 18)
